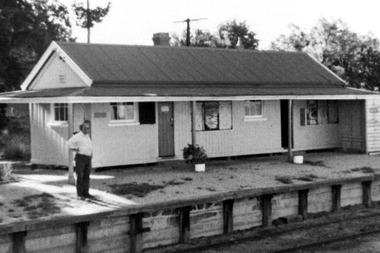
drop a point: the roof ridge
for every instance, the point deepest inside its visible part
(180, 48)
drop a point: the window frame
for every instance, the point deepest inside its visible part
(201, 115)
(62, 118)
(327, 107)
(134, 121)
(254, 117)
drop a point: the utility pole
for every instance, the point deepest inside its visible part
(88, 21)
(188, 28)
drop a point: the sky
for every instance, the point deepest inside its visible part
(133, 22)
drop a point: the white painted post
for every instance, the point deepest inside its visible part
(193, 137)
(70, 127)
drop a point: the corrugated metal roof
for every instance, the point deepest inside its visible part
(106, 64)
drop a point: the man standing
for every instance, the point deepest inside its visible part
(81, 144)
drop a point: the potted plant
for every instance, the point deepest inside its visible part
(195, 154)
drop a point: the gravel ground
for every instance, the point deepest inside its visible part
(44, 193)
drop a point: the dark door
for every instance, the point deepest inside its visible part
(285, 124)
(165, 129)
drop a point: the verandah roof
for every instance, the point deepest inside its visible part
(173, 93)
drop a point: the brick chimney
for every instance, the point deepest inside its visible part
(161, 39)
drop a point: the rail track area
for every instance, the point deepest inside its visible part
(355, 230)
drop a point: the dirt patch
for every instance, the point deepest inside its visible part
(315, 163)
(37, 206)
(140, 189)
(365, 169)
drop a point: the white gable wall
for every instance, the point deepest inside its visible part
(56, 74)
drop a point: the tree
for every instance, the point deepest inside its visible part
(26, 29)
(227, 37)
(231, 31)
(335, 46)
(86, 17)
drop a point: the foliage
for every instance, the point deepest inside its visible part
(15, 139)
(231, 31)
(194, 154)
(26, 29)
(86, 17)
(227, 37)
(353, 57)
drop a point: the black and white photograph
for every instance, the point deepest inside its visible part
(203, 126)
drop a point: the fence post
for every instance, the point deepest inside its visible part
(228, 216)
(18, 241)
(367, 199)
(136, 229)
(81, 237)
(266, 209)
(302, 203)
(336, 197)
(184, 224)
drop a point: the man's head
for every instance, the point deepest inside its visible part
(86, 127)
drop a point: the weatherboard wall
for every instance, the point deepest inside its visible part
(56, 74)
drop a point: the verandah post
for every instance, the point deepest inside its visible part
(193, 110)
(70, 127)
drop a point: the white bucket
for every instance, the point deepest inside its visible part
(298, 159)
(200, 167)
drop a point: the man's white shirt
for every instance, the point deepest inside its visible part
(81, 141)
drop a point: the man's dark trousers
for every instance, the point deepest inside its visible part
(83, 169)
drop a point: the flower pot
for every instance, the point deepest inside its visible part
(298, 159)
(200, 167)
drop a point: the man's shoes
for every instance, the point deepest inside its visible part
(89, 196)
(81, 198)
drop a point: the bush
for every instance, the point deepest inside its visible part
(16, 147)
(194, 154)
(15, 139)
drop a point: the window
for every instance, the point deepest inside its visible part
(213, 116)
(319, 112)
(60, 112)
(253, 109)
(124, 112)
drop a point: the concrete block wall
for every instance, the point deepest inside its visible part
(247, 213)
(375, 190)
(54, 239)
(6, 244)
(320, 200)
(352, 194)
(206, 220)
(164, 228)
(108, 234)
(133, 230)
(285, 204)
